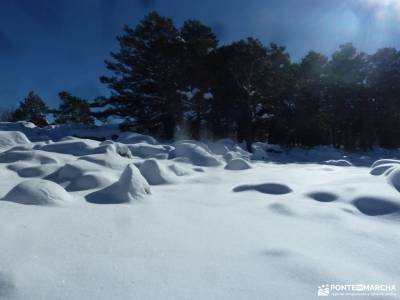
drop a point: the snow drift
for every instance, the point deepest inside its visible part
(38, 192)
(237, 164)
(131, 186)
(155, 173)
(12, 138)
(196, 152)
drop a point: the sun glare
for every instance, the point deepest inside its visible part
(382, 9)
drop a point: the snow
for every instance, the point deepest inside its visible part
(237, 164)
(134, 138)
(198, 153)
(339, 163)
(131, 186)
(145, 150)
(266, 188)
(89, 181)
(37, 192)
(12, 138)
(155, 173)
(180, 224)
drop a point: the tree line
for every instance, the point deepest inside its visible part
(180, 82)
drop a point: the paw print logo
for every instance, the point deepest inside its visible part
(323, 290)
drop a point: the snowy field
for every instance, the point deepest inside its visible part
(136, 219)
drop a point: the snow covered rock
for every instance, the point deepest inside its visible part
(380, 162)
(197, 153)
(382, 169)
(25, 169)
(37, 156)
(131, 186)
(386, 167)
(90, 181)
(390, 168)
(237, 164)
(109, 160)
(394, 178)
(259, 152)
(12, 138)
(73, 170)
(145, 150)
(72, 146)
(234, 155)
(338, 163)
(179, 170)
(155, 173)
(134, 138)
(38, 192)
(221, 147)
(113, 147)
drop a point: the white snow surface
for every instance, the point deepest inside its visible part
(139, 219)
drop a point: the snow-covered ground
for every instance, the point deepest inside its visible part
(136, 219)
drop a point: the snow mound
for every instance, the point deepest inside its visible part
(89, 181)
(338, 163)
(12, 138)
(134, 138)
(323, 196)
(237, 164)
(259, 154)
(112, 147)
(389, 168)
(34, 171)
(221, 147)
(73, 170)
(394, 178)
(38, 156)
(196, 152)
(179, 171)
(38, 192)
(155, 173)
(381, 169)
(144, 150)
(72, 146)
(228, 156)
(375, 206)
(131, 186)
(109, 160)
(266, 188)
(385, 162)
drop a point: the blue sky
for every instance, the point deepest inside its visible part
(53, 45)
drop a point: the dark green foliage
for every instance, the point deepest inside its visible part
(147, 76)
(199, 43)
(6, 114)
(170, 82)
(73, 110)
(32, 109)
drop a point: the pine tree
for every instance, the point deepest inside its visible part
(73, 110)
(278, 105)
(345, 79)
(32, 109)
(384, 84)
(199, 41)
(310, 115)
(241, 70)
(147, 75)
